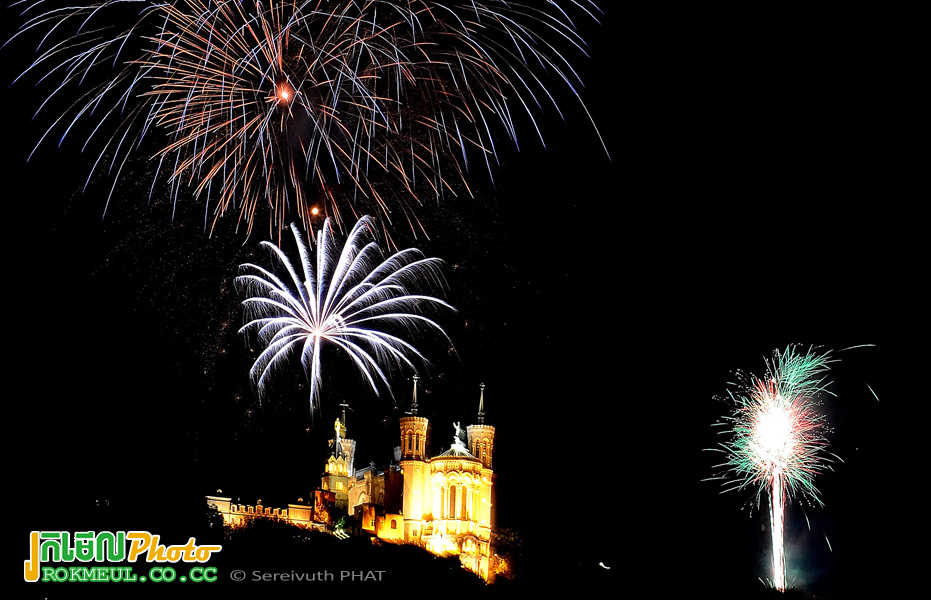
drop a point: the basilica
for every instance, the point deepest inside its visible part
(442, 502)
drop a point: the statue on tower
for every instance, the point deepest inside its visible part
(457, 438)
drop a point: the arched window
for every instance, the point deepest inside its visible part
(452, 502)
(394, 523)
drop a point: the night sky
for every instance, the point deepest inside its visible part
(756, 196)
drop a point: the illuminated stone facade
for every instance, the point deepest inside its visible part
(444, 503)
(237, 514)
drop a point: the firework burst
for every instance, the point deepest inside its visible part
(344, 107)
(777, 443)
(351, 298)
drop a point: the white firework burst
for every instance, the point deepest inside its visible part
(352, 298)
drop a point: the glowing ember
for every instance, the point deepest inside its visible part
(285, 93)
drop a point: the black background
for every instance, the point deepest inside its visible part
(758, 194)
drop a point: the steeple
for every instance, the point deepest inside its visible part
(481, 436)
(481, 404)
(415, 431)
(340, 427)
(339, 468)
(342, 449)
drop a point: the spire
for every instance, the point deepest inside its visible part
(481, 404)
(339, 428)
(414, 402)
(341, 446)
(339, 432)
(340, 424)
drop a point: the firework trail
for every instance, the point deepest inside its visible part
(777, 437)
(351, 298)
(290, 106)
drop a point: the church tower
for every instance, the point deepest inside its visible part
(482, 445)
(415, 440)
(481, 436)
(339, 469)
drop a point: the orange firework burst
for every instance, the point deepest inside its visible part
(272, 107)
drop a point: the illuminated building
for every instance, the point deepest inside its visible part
(444, 503)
